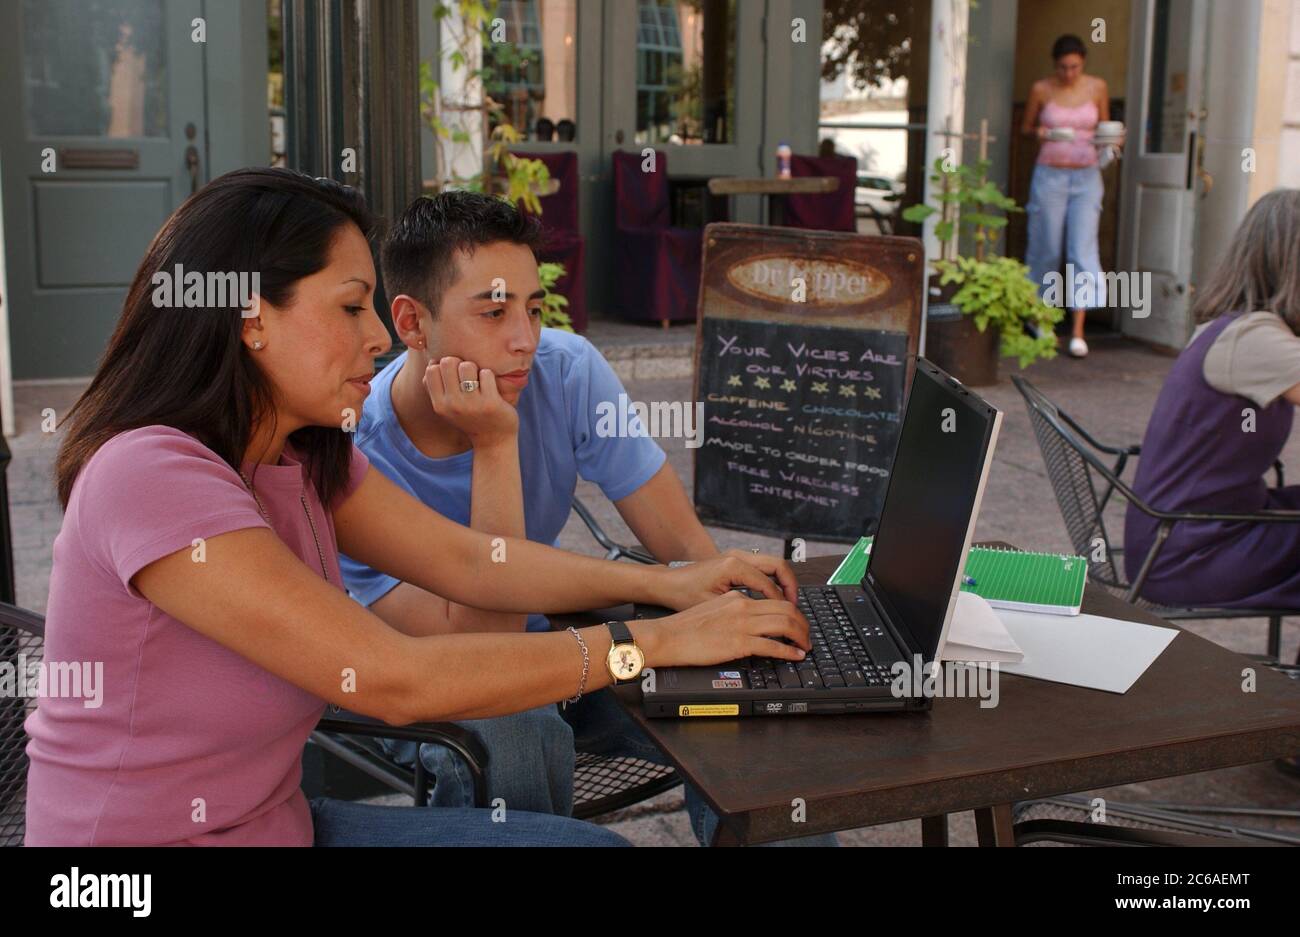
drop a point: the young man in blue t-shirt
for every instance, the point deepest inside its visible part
(504, 458)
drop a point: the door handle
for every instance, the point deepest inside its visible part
(1207, 180)
(192, 163)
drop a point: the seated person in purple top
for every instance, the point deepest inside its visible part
(1220, 423)
(505, 459)
(209, 480)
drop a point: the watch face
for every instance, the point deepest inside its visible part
(626, 661)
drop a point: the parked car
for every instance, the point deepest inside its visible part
(877, 192)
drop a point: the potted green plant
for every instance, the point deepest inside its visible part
(987, 289)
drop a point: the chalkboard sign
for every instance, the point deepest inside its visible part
(803, 353)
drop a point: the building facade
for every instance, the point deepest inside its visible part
(122, 109)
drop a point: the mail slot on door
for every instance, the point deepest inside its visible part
(99, 159)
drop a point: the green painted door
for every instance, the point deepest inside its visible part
(103, 138)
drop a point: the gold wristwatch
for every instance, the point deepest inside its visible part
(625, 660)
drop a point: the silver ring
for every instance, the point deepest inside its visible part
(469, 386)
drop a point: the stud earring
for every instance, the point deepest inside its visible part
(258, 346)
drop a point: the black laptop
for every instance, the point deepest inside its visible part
(902, 608)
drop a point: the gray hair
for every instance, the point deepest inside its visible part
(1261, 269)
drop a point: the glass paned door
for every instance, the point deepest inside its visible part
(103, 138)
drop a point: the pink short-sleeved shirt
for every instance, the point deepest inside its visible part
(190, 742)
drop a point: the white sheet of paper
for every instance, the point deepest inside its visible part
(1084, 650)
(977, 634)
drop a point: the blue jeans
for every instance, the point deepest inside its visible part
(1064, 212)
(531, 760)
(343, 823)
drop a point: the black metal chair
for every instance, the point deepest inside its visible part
(1067, 819)
(613, 549)
(601, 784)
(21, 641)
(1084, 483)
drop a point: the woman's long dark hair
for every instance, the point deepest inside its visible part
(188, 367)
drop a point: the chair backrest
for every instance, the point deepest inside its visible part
(641, 198)
(560, 211)
(832, 211)
(21, 645)
(1071, 475)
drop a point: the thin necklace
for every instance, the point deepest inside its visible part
(302, 496)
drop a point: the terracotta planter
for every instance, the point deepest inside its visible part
(954, 343)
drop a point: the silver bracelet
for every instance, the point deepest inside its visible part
(586, 665)
(678, 564)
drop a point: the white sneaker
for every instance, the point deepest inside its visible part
(1078, 348)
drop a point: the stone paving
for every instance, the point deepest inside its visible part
(1111, 393)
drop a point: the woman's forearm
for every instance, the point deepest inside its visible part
(514, 575)
(452, 677)
(387, 529)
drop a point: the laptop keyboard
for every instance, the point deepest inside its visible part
(838, 657)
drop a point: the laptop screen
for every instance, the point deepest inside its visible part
(922, 536)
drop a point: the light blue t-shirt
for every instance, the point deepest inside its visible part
(559, 412)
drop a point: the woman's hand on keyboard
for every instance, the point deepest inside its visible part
(778, 569)
(726, 628)
(686, 586)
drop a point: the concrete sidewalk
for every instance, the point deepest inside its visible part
(1111, 393)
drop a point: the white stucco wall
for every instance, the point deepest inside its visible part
(1289, 161)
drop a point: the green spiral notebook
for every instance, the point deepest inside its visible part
(1031, 582)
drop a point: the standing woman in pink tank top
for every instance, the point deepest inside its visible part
(1065, 196)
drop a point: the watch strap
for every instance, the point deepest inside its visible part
(620, 632)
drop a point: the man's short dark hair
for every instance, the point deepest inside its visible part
(1068, 45)
(419, 253)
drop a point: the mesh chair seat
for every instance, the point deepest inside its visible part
(1069, 821)
(30, 647)
(601, 784)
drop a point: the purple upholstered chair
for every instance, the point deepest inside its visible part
(831, 211)
(656, 266)
(563, 232)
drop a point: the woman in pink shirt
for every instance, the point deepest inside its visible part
(209, 480)
(1065, 196)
